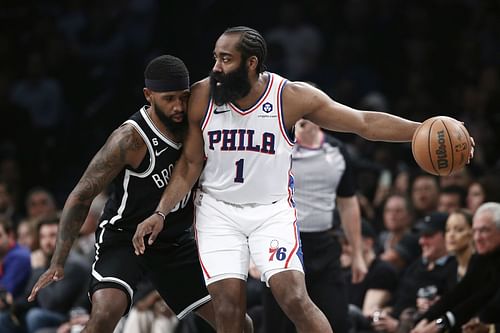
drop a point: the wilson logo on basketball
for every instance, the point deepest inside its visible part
(441, 151)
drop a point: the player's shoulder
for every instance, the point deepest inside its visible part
(301, 92)
(201, 87)
(127, 136)
(198, 101)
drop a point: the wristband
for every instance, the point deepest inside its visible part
(162, 214)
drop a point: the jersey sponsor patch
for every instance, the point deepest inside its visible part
(267, 107)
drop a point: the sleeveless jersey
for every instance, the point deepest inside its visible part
(135, 193)
(248, 152)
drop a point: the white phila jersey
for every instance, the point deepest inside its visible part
(248, 152)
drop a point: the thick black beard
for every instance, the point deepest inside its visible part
(234, 85)
(175, 127)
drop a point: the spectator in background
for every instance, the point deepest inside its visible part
(54, 302)
(434, 273)
(486, 188)
(399, 246)
(478, 293)
(26, 234)
(424, 194)
(375, 291)
(40, 203)
(459, 240)
(398, 220)
(451, 198)
(15, 266)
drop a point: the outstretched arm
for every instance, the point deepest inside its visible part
(306, 101)
(124, 146)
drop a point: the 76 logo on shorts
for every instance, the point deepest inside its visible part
(276, 251)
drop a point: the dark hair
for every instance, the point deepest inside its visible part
(456, 189)
(48, 220)
(406, 199)
(466, 214)
(251, 44)
(39, 189)
(490, 184)
(165, 66)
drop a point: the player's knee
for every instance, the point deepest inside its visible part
(294, 301)
(228, 311)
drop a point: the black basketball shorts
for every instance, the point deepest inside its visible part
(172, 267)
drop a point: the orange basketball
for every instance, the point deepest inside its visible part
(441, 145)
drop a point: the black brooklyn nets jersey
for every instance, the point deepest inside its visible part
(135, 193)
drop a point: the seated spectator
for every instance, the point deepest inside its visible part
(15, 267)
(459, 243)
(26, 234)
(478, 293)
(40, 203)
(398, 220)
(399, 246)
(435, 270)
(451, 198)
(424, 194)
(53, 303)
(486, 188)
(375, 291)
(459, 240)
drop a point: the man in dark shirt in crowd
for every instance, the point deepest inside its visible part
(478, 293)
(434, 268)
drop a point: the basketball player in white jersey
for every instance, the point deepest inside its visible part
(239, 143)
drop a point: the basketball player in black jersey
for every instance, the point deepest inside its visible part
(137, 160)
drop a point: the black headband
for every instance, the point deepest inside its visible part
(172, 84)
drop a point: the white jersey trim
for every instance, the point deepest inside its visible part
(152, 160)
(193, 306)
(99, 277)
(281, 118)
(208, 114)
(259, 102)
(129, 173)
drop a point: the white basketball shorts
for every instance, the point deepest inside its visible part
(229, 234)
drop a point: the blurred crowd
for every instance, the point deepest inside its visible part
(71, 71)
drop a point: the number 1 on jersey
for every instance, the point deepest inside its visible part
(239, 171)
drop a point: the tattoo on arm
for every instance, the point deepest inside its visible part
(105, 166)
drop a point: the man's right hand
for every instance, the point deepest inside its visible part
(152, 225)
(54, 273)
